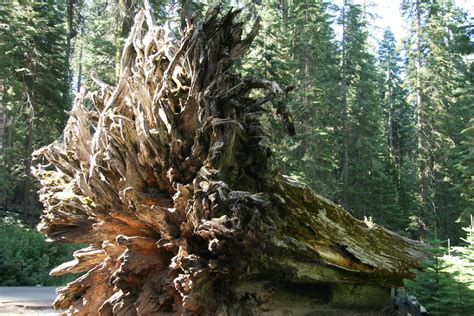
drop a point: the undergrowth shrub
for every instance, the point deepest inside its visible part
(26, 258)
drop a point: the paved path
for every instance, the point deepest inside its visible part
(26, 300)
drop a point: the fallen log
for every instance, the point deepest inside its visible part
(168, 178)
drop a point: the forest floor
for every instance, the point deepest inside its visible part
(24, 300)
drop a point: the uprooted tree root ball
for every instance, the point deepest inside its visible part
(168, 178)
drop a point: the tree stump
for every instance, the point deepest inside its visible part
(168, 178)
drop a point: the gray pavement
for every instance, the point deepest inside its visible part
(27, 300)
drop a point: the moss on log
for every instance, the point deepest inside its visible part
(168, 178)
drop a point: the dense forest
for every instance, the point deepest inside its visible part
(383, 126)
(384, 130)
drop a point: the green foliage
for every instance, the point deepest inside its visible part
(438, 84)
(399, 142)
(312, 153)
(371, 174)
(297, 46)
(102, 33)
(392, 153)
(465, 167)
(411, 159)
(98, 42)
(444, 284)
(26, 258)
(32, 64)
(6, 185)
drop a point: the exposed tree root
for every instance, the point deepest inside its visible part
(167, 178)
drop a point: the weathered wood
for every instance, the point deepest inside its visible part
(168, 177)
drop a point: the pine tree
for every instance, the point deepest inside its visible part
(271, 52)
(436, 70)
(344, 108)
(105, 26)
(399, 142)
(445, 283)
(465, 167)
(312, 152)
(461, 259)
(467, 254)
(433, 286)
(34, 62)
(361, 129)
(271, 57)
(297, 46)
(98, 42)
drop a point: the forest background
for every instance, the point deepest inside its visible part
(384, 125)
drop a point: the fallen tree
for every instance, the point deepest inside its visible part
(168, 178)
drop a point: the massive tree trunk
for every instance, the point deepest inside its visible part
(168, 178)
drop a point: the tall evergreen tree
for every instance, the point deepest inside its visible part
(436, 70)
(312, 153)
(398, 132)
(99, 42)
(344, 192)
(361, 132)
(297, 46)
(105, 26)
(271, 53)
(34, 62)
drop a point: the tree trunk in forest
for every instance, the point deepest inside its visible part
(170, 182)
(72, 32)
(423, 170)
(28, 202)
(80, 27)
(345, 115)
(284, 14)
(79, 70)
(3, 120)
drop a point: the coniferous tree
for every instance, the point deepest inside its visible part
(105, 26)
(437, 286)
(398, 132)
(311, 154)
(34, 62)
(444, 284)
(345, 130)
(361, 128)
(462, 263)
(297, 46)
(271, 53)
(98, 42)
(435, 72)
(271, 57)
(465, 167)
